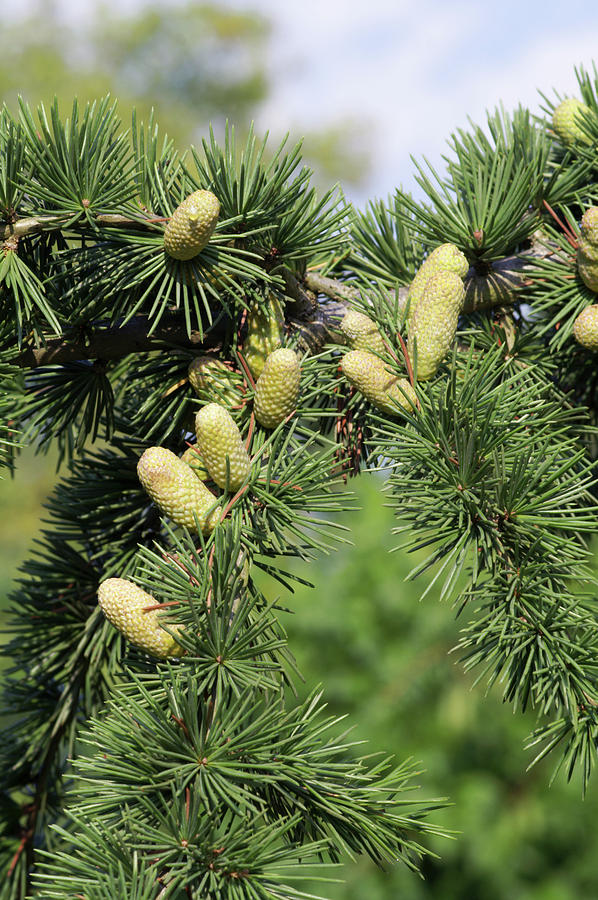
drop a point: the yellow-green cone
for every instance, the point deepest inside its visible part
(219, 440)
(565, 121)
(370, 376)
(587, 251)
(361, 332)
(123, 604)
(277, 388)
(191, 225)
(212, 380)
(265, 329)
(177, 490)
(192, 458)
(445, 258)
(434, 322)
(585, 328)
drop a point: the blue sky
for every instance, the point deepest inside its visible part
(408, 72)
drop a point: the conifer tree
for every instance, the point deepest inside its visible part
(215, 350)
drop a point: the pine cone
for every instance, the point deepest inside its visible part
(192, 458)
(587, 250)
(565, 121)
(218, 441)
(191, 225)
(277, 388)
(123, 604)
(445, 258)
(371, 377)
(585, 328)
(212, 381)
(177, 490)
(265, 329)
(361, 332)
(434, 323)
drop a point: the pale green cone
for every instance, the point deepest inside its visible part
(565, 121)
(277, 388)
(265, 330)
(370, 376)
(434, 323)
(191, 225)
(445, 258)
(177, 490)
(585, 328)
(192, 458)
(213, 381)
(361, 332)
(123, 604)
(218, 441)
(587, 250)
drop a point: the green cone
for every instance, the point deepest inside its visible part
(371, 377)
(445, 258)
(585, 328)
(213, 381)
(277, 388)
(219, 441)
(123, 604)
(177, 490)
(434, 322)
(361, 332)
(191, 225)
(587, 251)
(265, 329)
(565, 121)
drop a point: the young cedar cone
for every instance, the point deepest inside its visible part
(566, 121)
(434, 322)
(585, 328)
(177, 490)
(221, 446)
(277, 388)
(587, 250)
(265, 329)
(192, 458)
(370, 376)
(191, 225)
(212, 380)
(361, 332)
(123, 604)
(445, 258)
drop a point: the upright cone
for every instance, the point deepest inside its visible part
(221, 446)
(434, 323)
(587, 250)
(123, 604)
(277, 388)
(177, 490)
(265, 329)
(566, 121)
(213, 381)
(191, 225)
(361, 332)
(370, 376)
(445, 258)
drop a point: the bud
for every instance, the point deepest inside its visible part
(123, 604)
(212, 380)
(434, 323)
(445, 258)
(371, 377)
(566, 121)
(219, 442)
(177, 490)
(191, 225)
(277, 388)
(585, 328)
(361, 332)
(265, 330)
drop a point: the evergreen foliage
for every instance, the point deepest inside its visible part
(204, 775)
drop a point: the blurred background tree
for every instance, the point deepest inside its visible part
(383, 655)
